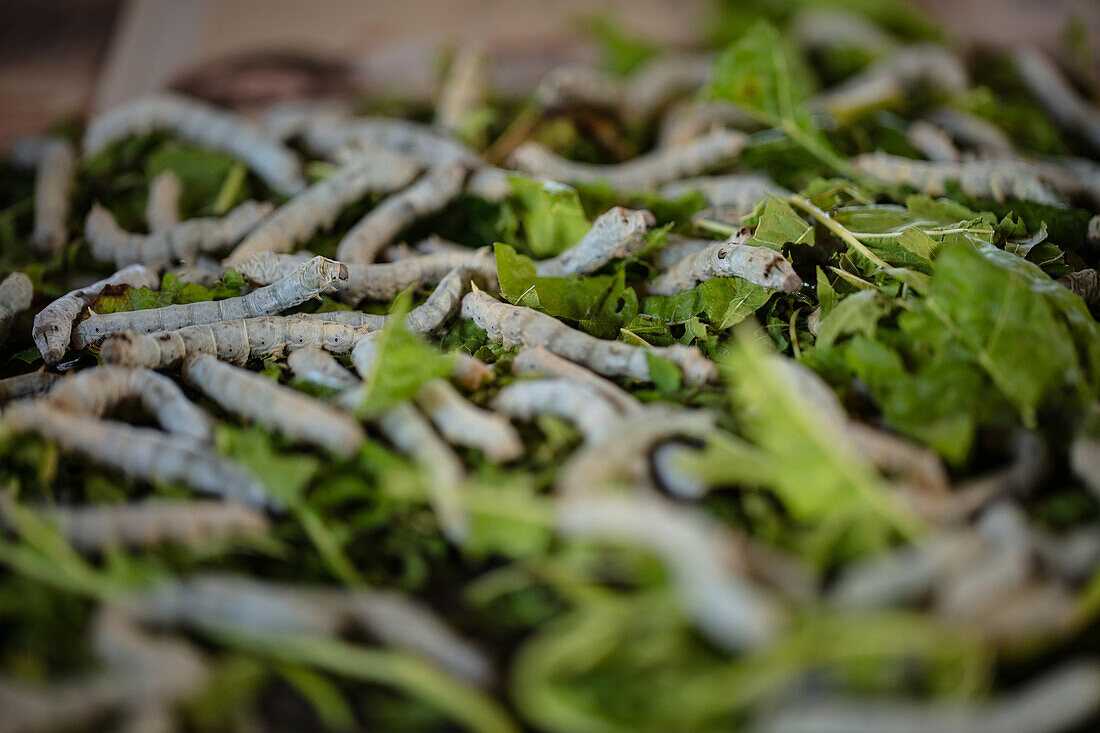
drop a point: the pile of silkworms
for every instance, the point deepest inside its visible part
(141, 395)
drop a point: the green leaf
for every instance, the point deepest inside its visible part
(202, 172)
(285, 474)
(551, 213)
(172, 291)
(858, 313)
(665, 374)
(780, 225)
(723, 301)
(620, 53)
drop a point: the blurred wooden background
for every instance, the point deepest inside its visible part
(64, 57)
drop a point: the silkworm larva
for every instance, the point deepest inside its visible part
(203, 271)
(572, 401)
(999, 179)
(287, 120)
(463, 423)
(1084, 459)
(202, 124)
(441, 306)
(99, 527)
(646, 172)
(307, 281)
(1059, 701)
(184, 242)
(95, 391)
(52, 186)
(761, 266)
(621, 457)
(356, 319)
(668, 460)
(1085, 283)
(617, 233)
(519, 326)
(701, 557)
(932, 142)
(471, 373)
(1058, 98)
(738, 191)
(538, 360)
(277, 408)
(464, 91)
(411, 434)
(16, 292)
(232, 341)
(53, 325)
(890, 79)
(972, 131)
(319, 205)
(382, 281)
(437, 188)
(434, 244)
(818, 29)
(689, 120)
(162, 210)
(414, 139)
(1093, 232)
(1075, 178)
(677, 248)
(579, 85)
(317, 366)
(139, 452)
(489, 183)
(25, 152)
(27, 385)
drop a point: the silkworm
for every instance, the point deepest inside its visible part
(27, 385)
(434, 244)
(381, 281)
(232, 341)
(677, 248)
(972, 131)
(538, 360)
(411, 434)
(277, 408)
(462, 423)
(203, 271)
(95, 391)
(689, 120)
(418, 141)
(1057, 97)
(1073, 177)
(184, 242)
(287, 120)
(579, 85)
(738, 191)
(471, 373)
(464, 91)
(1056, 702)
(139, 453)
(999, 179)
(572, 401)
(16, 292)
(489, 183)
(817, 29)
(932, 142)
(54, 324)
(317, 366)
(26, 152)
(700, 556)
(761, 266)
(437, 188)
(617, 233)
(99, 527)
(368, 322)
(516, 325)
(1084, 459)
(52, 188)
(441, 306)
(668, 461)
(308, 281)
(891, 78)
(162, 210)
(202, 124)
(318, 206)
(646, 172)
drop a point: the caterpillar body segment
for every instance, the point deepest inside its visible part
(16, 292)
(761, 266)
(56, 173)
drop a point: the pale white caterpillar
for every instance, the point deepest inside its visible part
(646, 172)
(489, 183)
(99, 527)
(441, 306)
(1058, 98)
(25, 152)
(464, 91)
(52, 187)
(202, 124)
(617, 233)
(203, 271)
(317, 366)
(737, 191)
(437, 188)
(889, 79)
(139, 452)
(465, 424)
(932, 142)
(972, 131)
(367, 322)
(519, 326)
(677, 248)
(308, 280)
(319, 205)
(277, 408)
(27, 385)
(689, 120)
(328, 136)
(162, 210)
(232, 341)
(16, 292)
(700, 555)
(1058, 701)
(546, 363)
(471, 373)
(184, 242)
(667, 460)
(822, 28)
(289, 119)
(573, 401)
(95, 391)
(999, 179)
(411, 434)
(381, 281)
(434, 244)
(761, 266)
(54, 324)
(579, 85)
